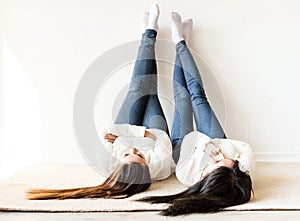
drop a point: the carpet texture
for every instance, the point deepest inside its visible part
(276, 187)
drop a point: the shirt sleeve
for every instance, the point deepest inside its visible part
(246, 158)
(125, 130)
(239, 151)
(107, 159)
(160, 157)
(190, 165)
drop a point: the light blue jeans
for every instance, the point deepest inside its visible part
(190, 98)
(141, 105)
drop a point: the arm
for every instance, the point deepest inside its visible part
(239, 151)
(111, 133)
(246, 158)
(160, 156)
(111, 137)
(125, 130)
(192, 158)
(188, 171)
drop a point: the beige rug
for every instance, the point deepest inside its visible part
(276, 187)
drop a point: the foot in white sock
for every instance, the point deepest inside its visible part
(153, 17)
(187, 27)
(176, 27)
(144, 20)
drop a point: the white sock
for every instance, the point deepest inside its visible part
(153, 17)
(187, 27)
(144, 20)
(176, 27)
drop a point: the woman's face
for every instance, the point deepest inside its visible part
(133, 155)
(218, 161)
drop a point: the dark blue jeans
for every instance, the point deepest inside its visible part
(141, 105)
(190, 98)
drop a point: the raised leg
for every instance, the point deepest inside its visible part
(183, 113)
(133, 107)
(206, 120)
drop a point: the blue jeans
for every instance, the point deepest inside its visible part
(189, 96)
(141, 105)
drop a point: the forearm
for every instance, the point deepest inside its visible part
(126, 130)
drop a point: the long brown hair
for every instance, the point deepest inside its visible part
(128, 179)
(223, 187)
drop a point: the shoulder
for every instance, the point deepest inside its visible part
(240, 147)
(240, 151)
(162, 138)
(195, 138)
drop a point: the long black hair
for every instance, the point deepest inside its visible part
(223, 187)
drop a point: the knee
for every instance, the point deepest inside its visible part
(180, 92)
(199, 96)
(157, 122)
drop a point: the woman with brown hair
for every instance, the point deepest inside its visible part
(138, 141)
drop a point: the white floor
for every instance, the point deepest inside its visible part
(132, 216)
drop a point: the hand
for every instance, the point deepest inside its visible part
(150, 135)
(217, 155)
(110, 137)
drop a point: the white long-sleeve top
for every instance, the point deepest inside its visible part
(158, 153)
(195, 154)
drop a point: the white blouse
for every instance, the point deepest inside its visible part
(158, 153)
(195, 155)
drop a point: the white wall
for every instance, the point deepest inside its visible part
(251, 47)
(1, 82)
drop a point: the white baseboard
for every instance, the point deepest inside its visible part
(277, 157)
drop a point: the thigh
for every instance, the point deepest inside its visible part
(154, 116)
(182, 124)
(132, 109)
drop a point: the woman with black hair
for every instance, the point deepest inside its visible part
(217, 170)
